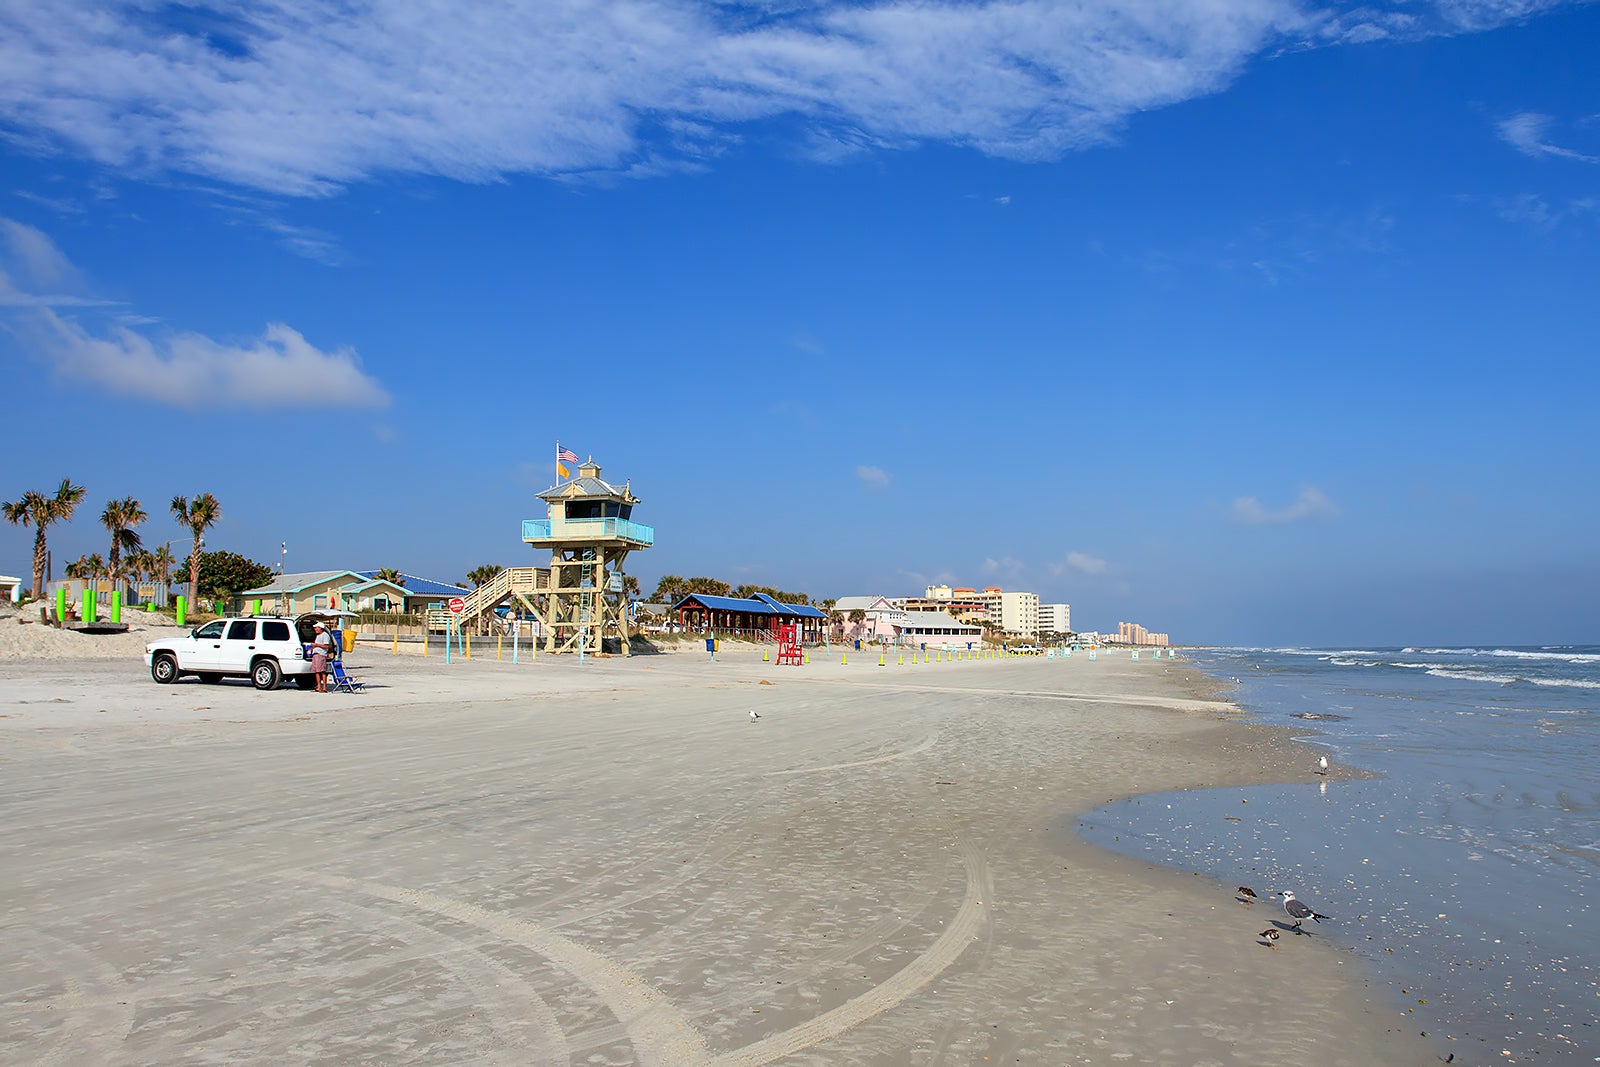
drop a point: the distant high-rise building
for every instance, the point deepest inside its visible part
(1055, 618)
(1131, 633)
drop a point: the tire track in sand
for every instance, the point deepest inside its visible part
(972, 916)
(659, 1033)
(95, 1021)
(926, 743)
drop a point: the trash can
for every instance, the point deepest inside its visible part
(347, 640)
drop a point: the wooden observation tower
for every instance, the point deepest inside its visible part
(590, 532)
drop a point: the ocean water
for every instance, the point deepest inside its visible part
(1467, 873)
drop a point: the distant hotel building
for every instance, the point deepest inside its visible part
(1131, 633)
(1055, 618)
(1014, 613)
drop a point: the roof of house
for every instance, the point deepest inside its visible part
(415, 586)
(923, 620)
(760, 604)
(362, 587)
(294, 583)
(865, 603)
(804, 611)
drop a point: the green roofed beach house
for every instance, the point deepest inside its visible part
(290, 594)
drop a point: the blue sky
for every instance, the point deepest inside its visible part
(1255, 322)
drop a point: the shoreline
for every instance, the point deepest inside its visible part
(613, 860)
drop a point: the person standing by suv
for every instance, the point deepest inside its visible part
(321, 649)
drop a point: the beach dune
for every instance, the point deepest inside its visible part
(614, 864)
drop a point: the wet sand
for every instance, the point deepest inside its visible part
(612, 864)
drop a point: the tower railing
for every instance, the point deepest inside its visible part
(584, 529)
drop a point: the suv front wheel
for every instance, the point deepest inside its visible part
(265, 674)
(164, 668)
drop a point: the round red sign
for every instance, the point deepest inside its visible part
(457, 605)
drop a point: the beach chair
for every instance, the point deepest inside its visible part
(340, 678)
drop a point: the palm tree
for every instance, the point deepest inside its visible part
(85, 568)
(40, 511)
(389, 574)
(199, 516)
(159, 565)
(478, 575)
(120, 517)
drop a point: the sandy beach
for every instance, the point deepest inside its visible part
(612, 864)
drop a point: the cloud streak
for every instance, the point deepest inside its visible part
(1528, 133)
(874, 478)
(1312, 503)
(1081, 562)
(300, 98)
(277, 370)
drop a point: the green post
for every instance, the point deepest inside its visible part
(182, 613)
(88, 605)
(61, 604)
(255, 606)
(116, 605)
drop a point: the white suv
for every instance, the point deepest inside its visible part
(264, 649)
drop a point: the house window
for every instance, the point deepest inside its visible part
(380, 603)
(319, 602)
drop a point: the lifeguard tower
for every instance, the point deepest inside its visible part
(590, 532)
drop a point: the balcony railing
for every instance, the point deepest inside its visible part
(588, 529)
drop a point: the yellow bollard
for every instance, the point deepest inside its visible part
(425, 635)
(397, 639)
(764, 656)
(880, 659)
(844, 658)
(469, 647)
(902, 659)
(805, 658)
(499, 645)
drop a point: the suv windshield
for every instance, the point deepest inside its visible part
(210, 630)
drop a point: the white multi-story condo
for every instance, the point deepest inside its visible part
(1015, 613)
(1055, 618)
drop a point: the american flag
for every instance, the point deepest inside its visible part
(566, 455)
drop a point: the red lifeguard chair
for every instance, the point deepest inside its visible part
(789, 645)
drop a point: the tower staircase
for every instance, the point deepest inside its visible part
(521, 584)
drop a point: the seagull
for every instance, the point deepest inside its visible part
(1299, 911)
(1270, 936)
(1322, 764)
(1246, 891)
(754, 715)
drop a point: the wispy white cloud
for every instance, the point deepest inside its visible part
(1312, 503)
(874, 478)
(35, 273)
(279, 369)
(1528, 132)
(1081, 562)
(299, 97)
(1006, 566)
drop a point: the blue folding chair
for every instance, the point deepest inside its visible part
(341, 678)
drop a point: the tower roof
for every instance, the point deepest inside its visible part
(588, 485)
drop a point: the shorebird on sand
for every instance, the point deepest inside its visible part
(1248, 894)
(1322, 764)
(1299, 911)
(1270, 936)
(754, 715)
